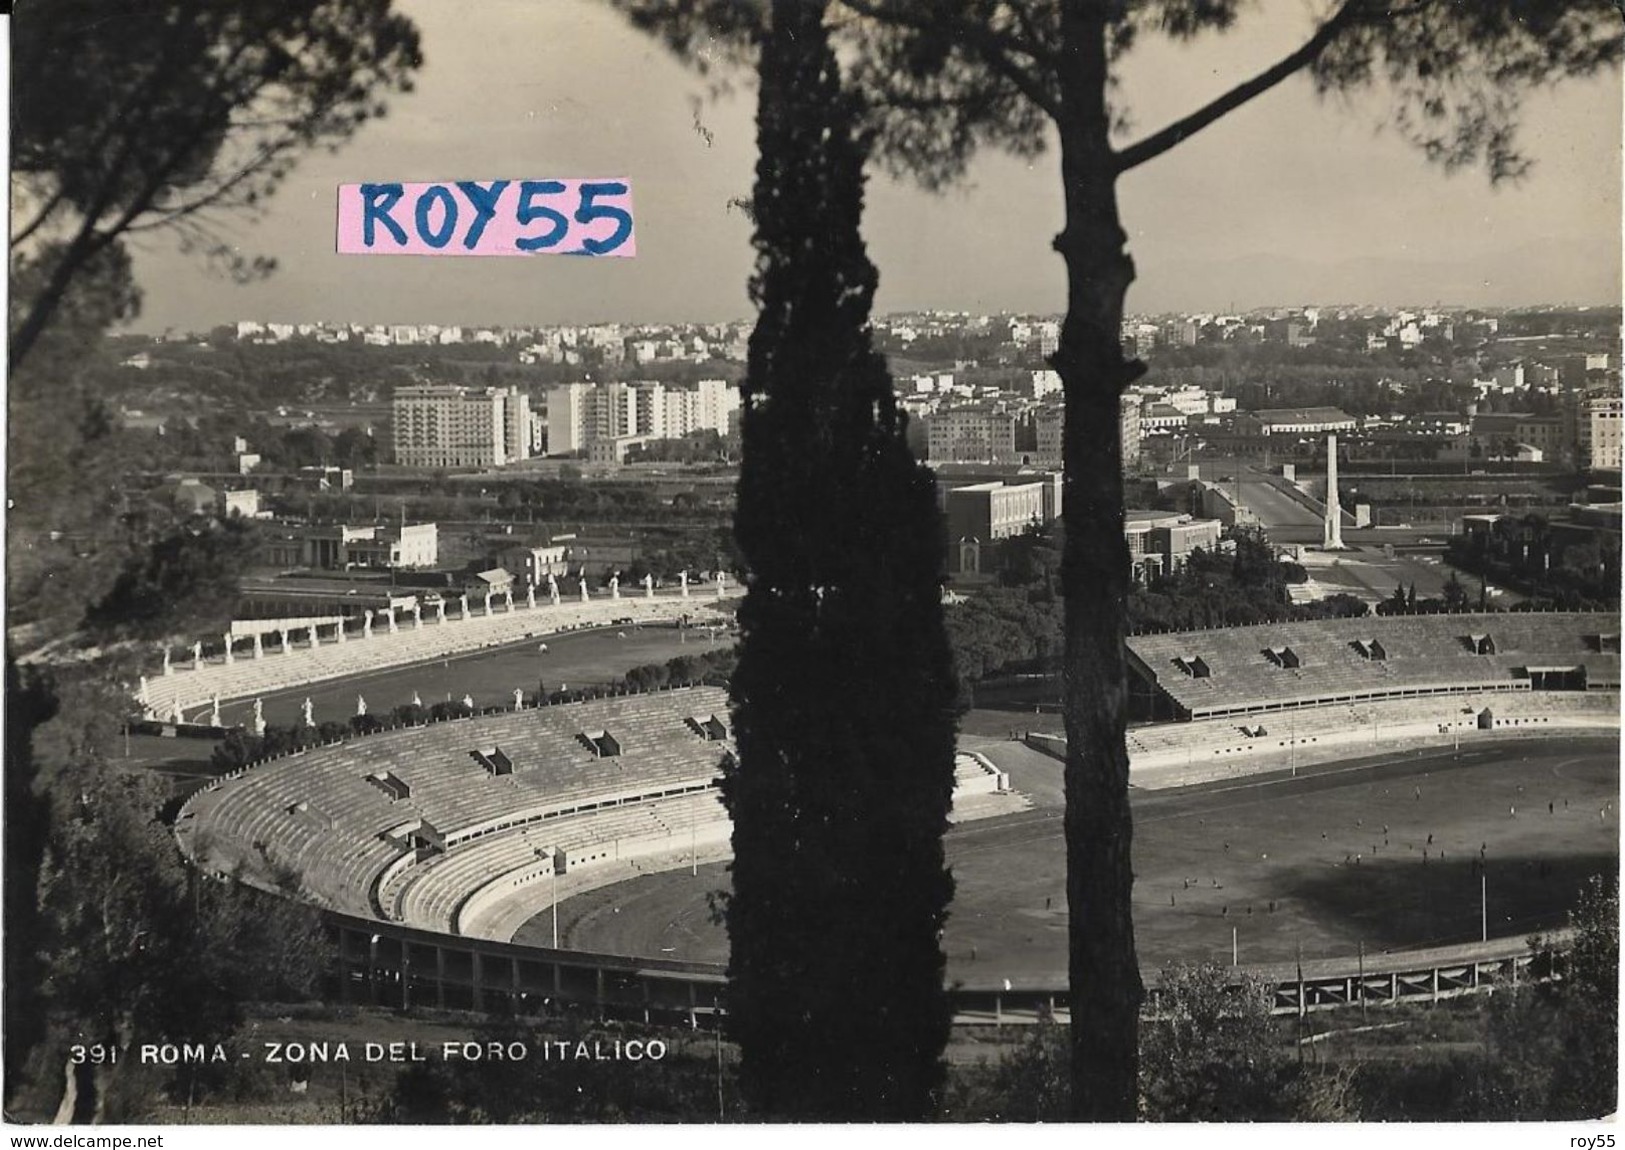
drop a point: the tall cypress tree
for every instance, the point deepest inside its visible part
(842, 699)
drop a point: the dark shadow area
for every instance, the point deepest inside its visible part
(1406, 903)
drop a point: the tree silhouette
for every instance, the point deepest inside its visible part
(131, 116)
(1454, 594)
(842, 698)
(942, 78)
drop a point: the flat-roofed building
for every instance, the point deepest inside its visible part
(1295, 421)
(581, 414)
(613, 450)
(245, 503)
(413, 545)
(981, 513)
(971, 435)
(1497, 434)
(1161, 541)
(1602, 437)
(531, 565)
(336, 547)
(445, 425)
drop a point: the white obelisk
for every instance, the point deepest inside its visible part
(1333, 538)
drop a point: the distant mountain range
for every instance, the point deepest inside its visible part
(1531, 274)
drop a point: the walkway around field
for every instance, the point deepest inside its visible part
(1184, 753)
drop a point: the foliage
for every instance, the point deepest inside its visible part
(30, 703)
(941, 78)
(709, 666)
(119, 943)
(1016, 627)
(1545, 1051)
(185, 582)
(682, 1086)
(1211, 1054)
(151, 115)
(1026, 1084)
(1580, 1072)
(1403, 601)
(1003, 630)
(64, 487)
(1524, 554)
(135, 954)
(1454, 594)
(842, 695)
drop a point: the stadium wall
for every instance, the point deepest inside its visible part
(400, 967)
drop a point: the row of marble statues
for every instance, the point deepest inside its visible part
(286, 635)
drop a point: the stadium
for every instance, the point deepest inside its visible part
(1366, 810)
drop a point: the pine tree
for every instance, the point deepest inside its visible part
(843, 696)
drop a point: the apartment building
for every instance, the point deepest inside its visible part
(445, 425)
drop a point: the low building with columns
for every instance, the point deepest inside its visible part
(262, 598)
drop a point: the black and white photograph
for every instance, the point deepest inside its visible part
(740, 563)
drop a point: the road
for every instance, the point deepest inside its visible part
(1275, 508)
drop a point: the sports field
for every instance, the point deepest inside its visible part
(1342, 852)
(489, 676)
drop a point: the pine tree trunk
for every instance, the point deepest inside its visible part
(1103, 968)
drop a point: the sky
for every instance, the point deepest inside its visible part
(1290, 200)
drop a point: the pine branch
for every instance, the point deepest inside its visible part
(992, 47)
(1176, 133)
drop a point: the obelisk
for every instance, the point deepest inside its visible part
(1333, 537)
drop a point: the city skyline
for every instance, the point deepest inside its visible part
(1324, 207)
(885, 318)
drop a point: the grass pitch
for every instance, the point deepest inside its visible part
(1338, 857)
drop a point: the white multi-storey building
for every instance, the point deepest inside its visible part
(971, 435)
(444, 425)
(579, 414)
(567, 418)
(717, 403)
(1603, 444)
(682, 412)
